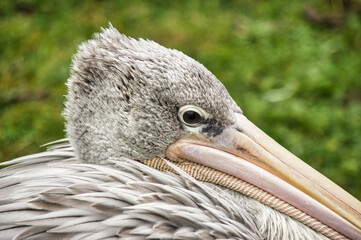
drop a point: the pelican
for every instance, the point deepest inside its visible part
(156, 148)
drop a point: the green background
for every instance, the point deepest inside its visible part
(293, 67)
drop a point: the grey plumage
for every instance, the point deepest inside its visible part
(52, 195)
(123, 97)
(122, 103)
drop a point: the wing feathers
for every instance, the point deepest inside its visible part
(52, 196)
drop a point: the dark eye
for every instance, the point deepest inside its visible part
(191, 117)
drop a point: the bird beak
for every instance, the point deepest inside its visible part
(244, 151)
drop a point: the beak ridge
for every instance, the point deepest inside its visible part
(246, 152)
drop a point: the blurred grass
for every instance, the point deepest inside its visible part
(296, 77)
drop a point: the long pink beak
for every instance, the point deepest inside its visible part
(246, 152)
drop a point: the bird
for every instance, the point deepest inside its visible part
(156, 148)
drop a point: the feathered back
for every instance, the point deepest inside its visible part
(52, 195)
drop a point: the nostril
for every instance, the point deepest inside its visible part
(238, 128)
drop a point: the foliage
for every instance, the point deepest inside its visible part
(294, 76)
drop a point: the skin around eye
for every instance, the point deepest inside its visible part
(192, 116)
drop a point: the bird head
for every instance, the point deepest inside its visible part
(130, 98)
(135, 99)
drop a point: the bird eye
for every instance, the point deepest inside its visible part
(191, 115)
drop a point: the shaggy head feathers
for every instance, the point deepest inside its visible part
(124, 94)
